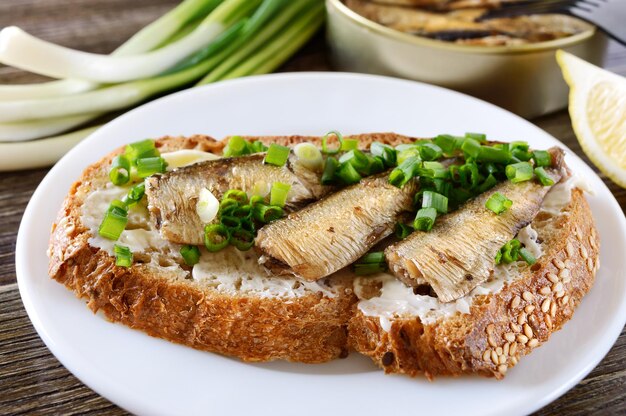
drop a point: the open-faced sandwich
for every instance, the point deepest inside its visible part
(436, 256)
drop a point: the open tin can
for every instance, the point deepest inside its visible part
(524, 79)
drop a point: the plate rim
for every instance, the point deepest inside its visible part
(84, 377)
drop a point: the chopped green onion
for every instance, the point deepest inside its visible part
(330, 168)
(527, 256)
(481, 137)
(455, 173)
(471, 148)
(120, 170)
(513, 251)
(520, 153)
(373, 262)
(470, 177)
(113, 223)
(216, 237)
(442, 186)
(349, 144)
(331, 151)
(409, 153)
(494, 155)
(503, 146)
(430, 151)
(150, 165)
(123, 256)
(242, 212)
(248, 225)
(459, 196)
(488, 183)
(425, 219)
(434, 200)
(278, 194)
(490, 168)
(266, 213)
(437, 169)
(118, 207)
(242, 239)
(509, 252)
(376, 165)
(405, 146)
(256, 199)
(240, 196)
(231, 222)
(365, 269)
(191, 255)
(140, 150)
(386, 152)
(402, 230)
(137, 192)
(228, 204)
(227, 211)
(542, 158)
(498, 203)
(543, 177)
(237, 146)
(277, 155)
(519, 172)
(446, 142)
(372, 257)
(357, 159)
(309, 156)
(404, 172)
(433, 165)
(348, 174)
(498, 258)
(257, 146)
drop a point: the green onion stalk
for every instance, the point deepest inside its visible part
(169, 26)
(260, 37)
(26, 52)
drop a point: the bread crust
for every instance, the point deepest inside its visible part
(309, 328)
(501, 327)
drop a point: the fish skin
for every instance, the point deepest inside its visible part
(458, 253)
(172, 196)
(334, 232)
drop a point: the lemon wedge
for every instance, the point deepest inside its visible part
(597, 107)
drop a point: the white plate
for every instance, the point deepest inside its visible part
(150, 376)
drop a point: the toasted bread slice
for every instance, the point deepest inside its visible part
(244, 314)
(258, 318)
(499, 327)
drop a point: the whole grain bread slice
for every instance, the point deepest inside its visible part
(501, 327)
(158, 296)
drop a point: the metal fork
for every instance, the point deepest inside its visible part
(608, 15)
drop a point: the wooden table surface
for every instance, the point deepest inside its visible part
(32, 381)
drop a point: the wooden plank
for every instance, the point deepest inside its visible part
(33, 381)
(15, 192)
